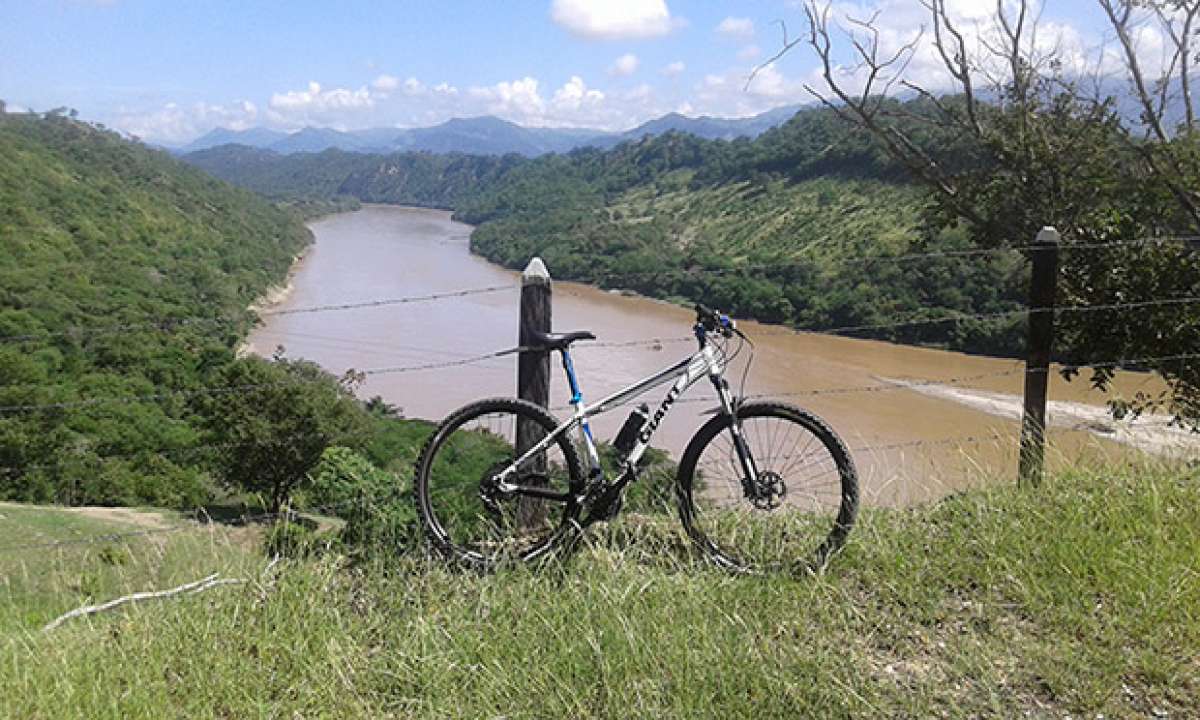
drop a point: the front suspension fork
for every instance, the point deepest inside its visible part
(731, 406)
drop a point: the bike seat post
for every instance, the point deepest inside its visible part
(576, 402)
(569, 367)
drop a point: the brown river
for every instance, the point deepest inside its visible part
(910, 444)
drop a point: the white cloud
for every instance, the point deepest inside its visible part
(640, 93)
(319, 107)
(178, 124)
(728, 95)
(518, 100)
(748, 53)
(413, 86)
(314, 98)
(624, 66)
(736, 27)
(613, 19)
(386, 83)
(573, 104)
(575, 95)
(769, 82)
(674, 69)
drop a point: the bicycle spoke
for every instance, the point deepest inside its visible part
(790, 510)
(463, 507)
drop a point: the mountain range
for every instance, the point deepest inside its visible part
(485, 135)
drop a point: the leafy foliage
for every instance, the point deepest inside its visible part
(1048, 147)
(800, 226)
(378, 507)
(123, 274)
(273, 426)
(408, 178)
(1075, 164)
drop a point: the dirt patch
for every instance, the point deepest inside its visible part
(146, 519)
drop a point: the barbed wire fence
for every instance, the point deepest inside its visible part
(170, 324)
(84, 456)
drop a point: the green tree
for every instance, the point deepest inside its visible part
(1047, 148)
(273, 419)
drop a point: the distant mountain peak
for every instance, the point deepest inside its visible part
(486, 135)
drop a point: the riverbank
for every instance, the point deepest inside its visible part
(311, 211)
(1152, 433)
(909, 448)
(275, 295)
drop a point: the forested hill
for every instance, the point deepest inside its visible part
(120, 269)
(795, 226)
(407, 178)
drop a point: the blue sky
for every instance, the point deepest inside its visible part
(169, 71)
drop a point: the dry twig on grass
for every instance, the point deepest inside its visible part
(190, 588)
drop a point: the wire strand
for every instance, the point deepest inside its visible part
(170, 324)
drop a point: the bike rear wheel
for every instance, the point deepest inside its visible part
(463, 512)
(798, 510)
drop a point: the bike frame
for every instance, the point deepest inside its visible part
(687, 372)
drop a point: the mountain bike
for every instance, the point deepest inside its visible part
(762, 486)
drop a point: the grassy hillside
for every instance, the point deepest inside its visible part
(799, 226)
(43, 583)
(123, 273)
(998, 603)
(814, 253)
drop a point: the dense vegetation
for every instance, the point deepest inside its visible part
(999, 603)
(124, 282)
(408, 178)
(796, 226)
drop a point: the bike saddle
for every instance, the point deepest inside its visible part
(558, 341)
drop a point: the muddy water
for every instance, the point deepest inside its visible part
(388, 252)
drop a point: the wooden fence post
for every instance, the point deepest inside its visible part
(1044, 278)
(533, 371)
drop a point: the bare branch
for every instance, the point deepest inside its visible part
(861, 111)
(191, 588)
(1018, 67)
(942, 108)
(783, 50)
(1181, 40)
(958, 65)
(1120, 18)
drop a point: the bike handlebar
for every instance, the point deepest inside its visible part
(714, 321)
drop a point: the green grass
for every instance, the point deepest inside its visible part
(1081, 597)
(38, 584)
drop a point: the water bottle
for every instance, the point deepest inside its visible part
(627, 437)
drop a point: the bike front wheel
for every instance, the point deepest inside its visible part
(794, 514)
(466, 515)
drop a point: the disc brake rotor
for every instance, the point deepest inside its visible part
(769, 491)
